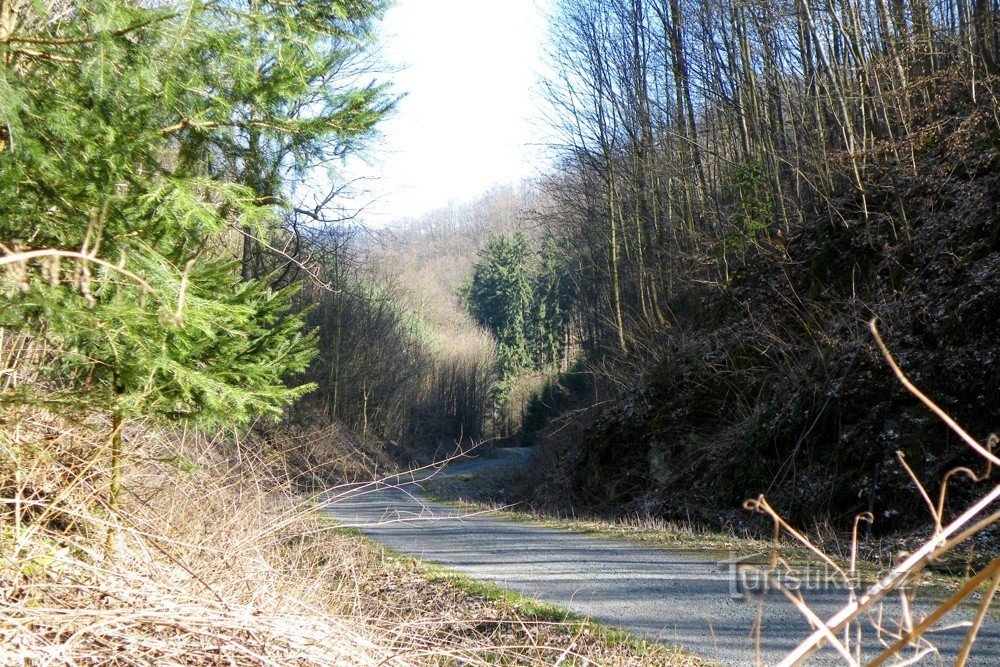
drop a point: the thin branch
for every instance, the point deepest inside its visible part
(72, 254)
(991, 570)
(969, 440)
(930, 550)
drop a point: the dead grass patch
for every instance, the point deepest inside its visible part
(214, 558)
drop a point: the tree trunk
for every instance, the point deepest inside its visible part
(987, 42)
(616, 288)
(115, 485)
(246, 264)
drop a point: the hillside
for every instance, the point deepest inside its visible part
(774, 384)
(205, 341)
(430, 258)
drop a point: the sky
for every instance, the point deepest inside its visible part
(469, 70)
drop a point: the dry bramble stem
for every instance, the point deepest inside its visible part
(942, 541)
(72, 254)
(982, 451)
(970, 637)
(928, 552)
(990, 571)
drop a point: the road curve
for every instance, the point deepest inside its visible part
(678, 598)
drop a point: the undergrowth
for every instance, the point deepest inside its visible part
(214, 557)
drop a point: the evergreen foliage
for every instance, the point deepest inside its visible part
(524, 300)
(753, 212)
(137, 138)
(552, 303)
(500, 299)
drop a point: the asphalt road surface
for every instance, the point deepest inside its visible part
(675, 597)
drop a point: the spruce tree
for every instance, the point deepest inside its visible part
(553, 292)
(499, 298)
(117, 121)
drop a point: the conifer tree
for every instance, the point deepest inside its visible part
(499, 298)
(552, 303)
(116, 120)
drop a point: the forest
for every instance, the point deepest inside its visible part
(743, 187)
(199, 332)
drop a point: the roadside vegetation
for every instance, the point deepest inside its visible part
(507, 618)
(217, 557)
(741, 189)
(749, 195)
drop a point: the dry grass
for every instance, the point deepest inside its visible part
(201, 566)
(214, 559)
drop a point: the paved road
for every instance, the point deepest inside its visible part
(677, 598)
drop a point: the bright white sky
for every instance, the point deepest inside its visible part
(469, 69)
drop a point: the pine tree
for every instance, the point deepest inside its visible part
(500, 299)
(117, 119)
